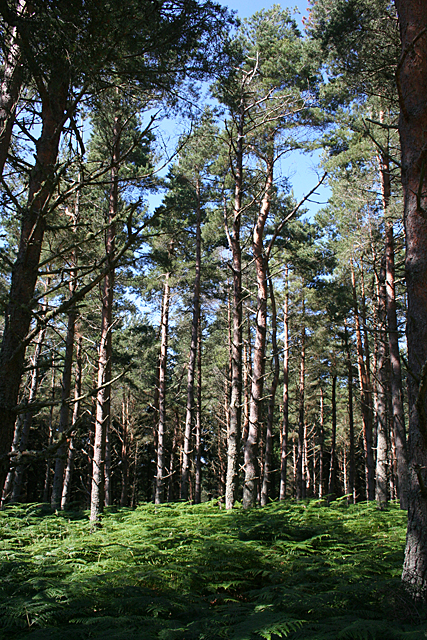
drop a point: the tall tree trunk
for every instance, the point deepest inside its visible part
(333, 462)
(396, 372)
(125, 449)
(176, 431)
(233, 440)
(352, 461)
(64, 414)
(365, 396)
(271, 403)
(103, 398)
(28, 417)
(66, 488)
(285, 423)
(198, 430)
(24, 274)
(46, 487)
(247, 376)
(412, 86)
(161, 426)
(321, 442)
(299, 484)
(10, 87)
(257, 386)
(393, 335)
(381, 383)
(186, 452)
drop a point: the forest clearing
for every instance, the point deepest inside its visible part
(180, 572)
(213, 393)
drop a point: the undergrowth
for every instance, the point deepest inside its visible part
(179, 572)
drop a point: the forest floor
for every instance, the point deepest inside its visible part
(181, 572)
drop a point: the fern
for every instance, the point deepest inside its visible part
(177, 571)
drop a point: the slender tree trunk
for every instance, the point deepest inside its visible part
(352, 461)
(247, 376)
(64, 414)
(161, 426)
(321, 442)
(257, 386)
(50, 436)
(125, 449)
(66, 489)
(381, 383)
(186, 452)
(265, 490)
(103, 398)
(333, 462)
(28, 416)
(235, 416)
(176, 430)
(365, 394)
(412, 85)
(10, 88)
(285, 424)
(396, 372)
(24, 274)
(7, 489)
(393, 335)
(198, 431)
(300, 493)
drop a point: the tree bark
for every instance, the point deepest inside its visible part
(333, 462)
(396, 372)
(285, 423)
(321, 441)
(381, 384)
(66, 488)
(103, 398)
(352, 461)
(161, 426)
(299, 480)
(186, 452)
(198, 429)
(366, 400)
(235, 410)
(265, 490)
(64, 413)
(19, 310)
(13, 484)
(257, 386)
(393, 335)
(412, 85)
(10, 88)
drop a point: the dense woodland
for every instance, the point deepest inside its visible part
(228, 342)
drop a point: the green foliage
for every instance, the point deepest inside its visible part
(197, 572)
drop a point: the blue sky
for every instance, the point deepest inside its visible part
(246, 8)
(301, 169)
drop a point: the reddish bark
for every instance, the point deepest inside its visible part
(412, 85)
(352, 463)
(366, 400)
(333, 462)
(299, 480)
(285, 423)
